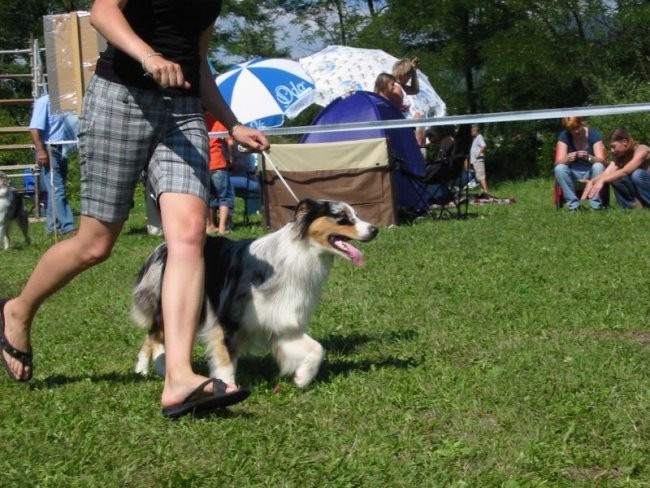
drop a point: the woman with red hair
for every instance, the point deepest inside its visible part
(579, 155)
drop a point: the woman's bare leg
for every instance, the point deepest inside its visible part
(182, 292)
(57, 267)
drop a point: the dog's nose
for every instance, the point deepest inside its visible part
(373, 231)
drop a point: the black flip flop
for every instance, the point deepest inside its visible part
(200, 402)
(25, 358)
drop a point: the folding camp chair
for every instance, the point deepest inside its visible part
(442, 189)
(244, 180)
(247, 188)
(579, 186)
(33, 192)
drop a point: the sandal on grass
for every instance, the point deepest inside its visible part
(200, 401)
(25, 358)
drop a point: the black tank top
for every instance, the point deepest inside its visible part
(172, 28)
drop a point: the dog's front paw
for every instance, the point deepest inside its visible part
(307, 371)
(301, 381)
(142, 369)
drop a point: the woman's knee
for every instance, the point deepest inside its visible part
(96, 253)
(560, 170)
(640, 177)
(596, 169)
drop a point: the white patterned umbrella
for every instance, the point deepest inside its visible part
(337, 70)
(261, 92)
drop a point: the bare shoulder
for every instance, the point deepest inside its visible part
(643, 149)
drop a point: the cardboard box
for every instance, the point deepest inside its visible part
(72, 47)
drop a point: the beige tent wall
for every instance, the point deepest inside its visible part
(356, 172)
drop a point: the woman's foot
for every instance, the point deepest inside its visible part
(210, 394)
(176, 391)
(16, 349)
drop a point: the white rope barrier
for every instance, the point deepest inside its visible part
(553, 113)
(557, 113)
(435, 121)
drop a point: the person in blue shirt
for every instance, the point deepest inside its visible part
(48, 130)
(579, 155)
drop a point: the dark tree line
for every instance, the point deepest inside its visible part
(504, 55)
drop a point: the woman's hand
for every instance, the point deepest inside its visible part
(572, 156)
(592, 188)
(251, 138)
(164, 72)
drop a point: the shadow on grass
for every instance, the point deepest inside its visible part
(263, 369)
(347, 344)
(258, 370)
(332, 369)
(57, 381)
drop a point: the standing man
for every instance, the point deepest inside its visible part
(49, 129)
(477, 159)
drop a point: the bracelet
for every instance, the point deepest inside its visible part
(231, 131)
(144, 59)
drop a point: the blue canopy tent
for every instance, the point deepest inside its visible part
(364, 106)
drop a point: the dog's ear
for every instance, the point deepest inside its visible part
(306, 212)
(304, 206)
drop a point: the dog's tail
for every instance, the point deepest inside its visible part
(146, 309)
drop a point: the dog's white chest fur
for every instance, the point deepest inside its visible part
(287, 300)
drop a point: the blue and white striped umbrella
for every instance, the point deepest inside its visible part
(261, 92)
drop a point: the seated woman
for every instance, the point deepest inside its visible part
(386, 86)
(579, 155)
(628, 172)
(444, 165)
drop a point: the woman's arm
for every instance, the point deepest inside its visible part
(214, 103)
(563, 156)
(639, 156)
(106, 16)
(613, 172)
(600, 153)
(413, 87)
(561, 153)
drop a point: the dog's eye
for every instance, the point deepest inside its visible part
(343, 220)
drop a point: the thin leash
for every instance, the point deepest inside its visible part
(267, 155)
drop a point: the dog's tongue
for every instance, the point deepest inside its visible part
(353, 253)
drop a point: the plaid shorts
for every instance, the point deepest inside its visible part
(121, 130)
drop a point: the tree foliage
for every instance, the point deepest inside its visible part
(504, 55)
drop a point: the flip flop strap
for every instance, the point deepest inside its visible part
(24, 357)
(218, 388)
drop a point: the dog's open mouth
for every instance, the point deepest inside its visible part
(352, 253)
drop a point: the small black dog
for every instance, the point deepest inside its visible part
(12, 208)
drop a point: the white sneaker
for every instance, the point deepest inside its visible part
(152, 230)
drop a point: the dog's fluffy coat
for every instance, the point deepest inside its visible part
(259, 294)
(12, 209)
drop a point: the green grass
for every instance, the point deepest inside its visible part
(510, 349)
